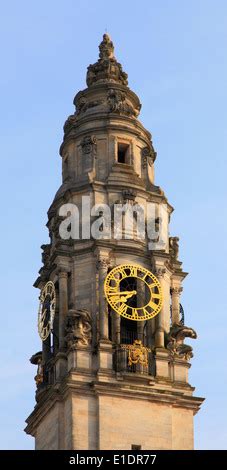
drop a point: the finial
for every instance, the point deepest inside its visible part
(106, 47)
(106, 69)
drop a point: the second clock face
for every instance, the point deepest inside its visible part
(133, 292)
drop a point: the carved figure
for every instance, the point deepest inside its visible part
(175, 341)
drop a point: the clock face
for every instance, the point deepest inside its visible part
(133, 292)
(46, 310)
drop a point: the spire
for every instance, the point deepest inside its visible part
(106, 69)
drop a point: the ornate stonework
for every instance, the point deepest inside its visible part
(89, 144)
(78, 328)
(83, 105)
(175, 341)
(36, 359)
(107, 68)
(148, 156)
(118, 104)
(174, 248)
(70, 123)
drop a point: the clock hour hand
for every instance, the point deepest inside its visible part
(123, 296)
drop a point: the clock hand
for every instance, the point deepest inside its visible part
(123, 296)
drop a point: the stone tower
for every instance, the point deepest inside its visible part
(89, 395)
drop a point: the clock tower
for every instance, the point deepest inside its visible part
(113, 369)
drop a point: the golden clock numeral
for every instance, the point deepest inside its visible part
(156, 296)
(134, 314)
(122, 309)
(153, 305)
(111, 289)
(145, 312)
(123, 273)
(133, 271)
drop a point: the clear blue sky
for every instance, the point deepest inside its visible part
(175, 54)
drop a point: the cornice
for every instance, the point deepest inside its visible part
(106, 120)
(114, 388)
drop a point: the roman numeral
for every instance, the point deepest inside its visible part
(122, 309)
(134, 314)
(123, 273)
(152, 305)
(156, 296)
(133, 271)
(111, 289)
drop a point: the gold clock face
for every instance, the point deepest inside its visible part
(133, 292)
(46, 310)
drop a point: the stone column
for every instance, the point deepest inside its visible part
(63, 306)
(56, 326)
(175, 294)
(117, 319)
(116, 324)
(46, 350)
(140, 303)
(159, 321)
(103, 307)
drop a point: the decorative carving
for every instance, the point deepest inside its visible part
(174, 248)
(46, 253)
(159, 272)
(128, 195)
(148, 156)
(57, 219)
(144, 162)
(89, 145)
(102, 264)
(106, 68)
(36, 359)
(78, 328)
(176, 290)
(69, 123)
(137, 353)
(175, 339)
(82, 104)
(106, 48)
(118, 104)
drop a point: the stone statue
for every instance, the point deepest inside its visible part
(174, 247)
(78, 328)
(175, 339)
(106, 48)
(36, 359)
(106, 68)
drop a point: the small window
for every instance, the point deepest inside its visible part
(123, 153)
(136, 447)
